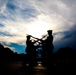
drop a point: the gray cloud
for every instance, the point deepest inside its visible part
(1, 25)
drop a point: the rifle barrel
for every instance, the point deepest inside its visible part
(37, 38)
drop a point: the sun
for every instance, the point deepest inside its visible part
(38, 28)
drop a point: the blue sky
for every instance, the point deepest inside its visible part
(21, 17)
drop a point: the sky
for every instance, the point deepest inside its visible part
(21, 17)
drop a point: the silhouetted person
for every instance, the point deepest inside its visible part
(47, 46)
(31, 51)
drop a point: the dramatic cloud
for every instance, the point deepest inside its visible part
(21, 17)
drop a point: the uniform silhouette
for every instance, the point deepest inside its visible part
(47, 46)
(31, 50)
(49, 43)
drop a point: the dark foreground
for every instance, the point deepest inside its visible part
(17, 68)
(61, 62)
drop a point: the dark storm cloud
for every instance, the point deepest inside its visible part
(68, 39)
(69, 34)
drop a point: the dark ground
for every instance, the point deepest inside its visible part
(17, 68)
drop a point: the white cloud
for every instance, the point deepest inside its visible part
(3, 5)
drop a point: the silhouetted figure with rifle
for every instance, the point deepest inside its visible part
(47, 46)
(31, 51)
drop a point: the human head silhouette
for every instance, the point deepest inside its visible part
(28, 36)
(49, 32)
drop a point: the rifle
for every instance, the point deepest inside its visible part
(37, 38)
(40, 41)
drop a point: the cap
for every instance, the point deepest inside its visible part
(49, 31)
(28, 36)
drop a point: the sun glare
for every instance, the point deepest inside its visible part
(38, 28)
